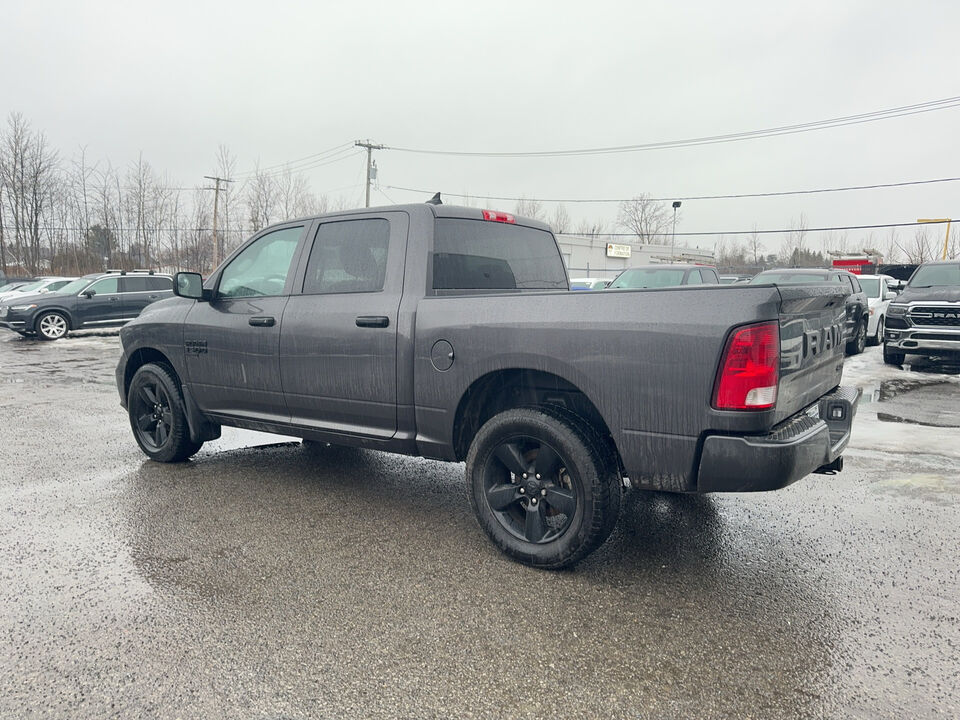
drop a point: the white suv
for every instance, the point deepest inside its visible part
(879, 295)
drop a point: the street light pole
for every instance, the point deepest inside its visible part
(673, 235)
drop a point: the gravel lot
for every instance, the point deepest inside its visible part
(264, 579)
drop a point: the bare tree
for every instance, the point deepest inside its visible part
(260, 193)
(755, 246)
(649, 220)
(532, 209)
(921, 249)
(29, 171)
(560, 221)
(795, 242)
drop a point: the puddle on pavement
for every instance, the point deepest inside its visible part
(916, 401)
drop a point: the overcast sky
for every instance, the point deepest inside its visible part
(278, 81)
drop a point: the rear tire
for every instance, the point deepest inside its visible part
(157, 416)
(52, 326)
(859, 341)
(892, 357)
(542, 486)
(878, 338)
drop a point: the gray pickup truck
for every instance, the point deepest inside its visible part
(451, 333)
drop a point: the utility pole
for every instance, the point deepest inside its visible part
(370, 148)
(216, 204)
(673, 234)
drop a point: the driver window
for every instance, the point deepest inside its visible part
(107, 286)
(261, 268)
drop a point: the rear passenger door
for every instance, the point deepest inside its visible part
(338, 343)
(140, 291)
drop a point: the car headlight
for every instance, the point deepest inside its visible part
(22, 307)
(896, 310)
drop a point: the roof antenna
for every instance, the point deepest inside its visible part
(435, 200)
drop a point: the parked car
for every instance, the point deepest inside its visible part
(38, 286)
(98, 300)
(856, 310)
(925, 318)
(663, 276)
(879, 294)
(13, 285)
(590, 283)
(450, 333)
(733, 279)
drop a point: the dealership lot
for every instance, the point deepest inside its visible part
(268, 579)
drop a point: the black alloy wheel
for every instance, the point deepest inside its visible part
(530, 490)
(157, 418)
(154, 418)
(544, 487)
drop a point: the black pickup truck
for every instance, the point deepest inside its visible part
(925, 318)
(450, 333)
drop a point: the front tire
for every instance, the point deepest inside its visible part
(878, 338)
(891, 357)
(157, 416)
(52, 326)
(542, 486)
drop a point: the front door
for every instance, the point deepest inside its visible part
(338, 344)
(103, 307)
(232, 342)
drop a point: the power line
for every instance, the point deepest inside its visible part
(686, 197)
(329, 151)
(768, 232)
(903, 111)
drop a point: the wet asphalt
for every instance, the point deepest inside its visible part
(267, 579)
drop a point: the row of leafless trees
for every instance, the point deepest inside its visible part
(70, 216)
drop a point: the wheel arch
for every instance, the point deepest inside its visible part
(140, 357)
(505, 389)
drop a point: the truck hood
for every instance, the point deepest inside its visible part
(941, 293)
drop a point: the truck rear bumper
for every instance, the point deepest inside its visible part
(795, 448)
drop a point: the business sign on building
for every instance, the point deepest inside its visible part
(618, 251)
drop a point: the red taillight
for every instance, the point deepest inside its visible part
(750, 369)
(499, 216)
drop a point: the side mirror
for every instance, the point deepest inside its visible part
(188, 285)
(889, 295)
(88, 293)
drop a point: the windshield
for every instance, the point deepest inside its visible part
(936, 276)
(790, 278)
(649, 278)
(871, 286)
(75, 286)
(31, 286)
(10, 286)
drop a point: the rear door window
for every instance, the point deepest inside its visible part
(349, 256)
(133, 284)
(159, 283)
(484, 255)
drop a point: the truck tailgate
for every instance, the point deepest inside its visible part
(811, 345)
